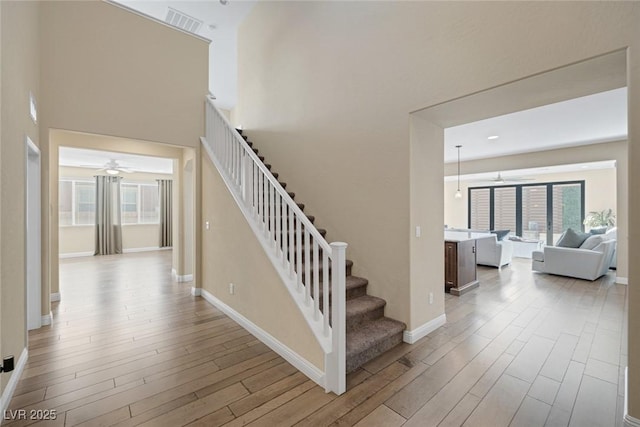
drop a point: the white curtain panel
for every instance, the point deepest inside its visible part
(165, 188)
(108, 221)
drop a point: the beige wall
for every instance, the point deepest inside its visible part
(328, 106)
(339, 132)
(107, 71)
(259, 294)
(20, 67)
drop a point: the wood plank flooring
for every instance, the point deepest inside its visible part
(128, 346)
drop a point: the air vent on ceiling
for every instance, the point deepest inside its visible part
(182, 20)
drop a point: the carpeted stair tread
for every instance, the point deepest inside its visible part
(372, 339)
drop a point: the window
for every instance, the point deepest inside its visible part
(85, 203)
(533, 211)
(504, 209)
(140, 204)
(479, 214)
(76, 202)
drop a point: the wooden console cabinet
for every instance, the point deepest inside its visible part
(460, 266)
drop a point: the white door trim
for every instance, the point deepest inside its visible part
(33, 215)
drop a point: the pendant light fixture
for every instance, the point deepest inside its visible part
(458, 192)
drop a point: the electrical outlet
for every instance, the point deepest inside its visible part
(232, 288)
(207, 225)
(430, 297)
(418, 231)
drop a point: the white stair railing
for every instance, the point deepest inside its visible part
(300, 254)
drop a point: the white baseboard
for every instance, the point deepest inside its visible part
(47, 319)
(178, 278)
(302, 364)
(13, 381)
(55, 296)
(622, 280)
(629, 421)
(196, 292)
(76, 254)
(424, 330)
(148, 249)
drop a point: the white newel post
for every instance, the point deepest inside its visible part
(336, 369)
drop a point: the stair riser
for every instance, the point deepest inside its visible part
(356, 321)
(359, 359)
(351, 293)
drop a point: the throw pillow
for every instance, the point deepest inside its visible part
(572, 239)
(592, 242)
(501, 234)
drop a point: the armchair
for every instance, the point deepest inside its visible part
(493, 252)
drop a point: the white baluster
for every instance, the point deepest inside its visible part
(325, 292)
(255, 169)
(272, 202)
(299, 252)
(277, 207)
(292, 245)
(283, 233)
(316, 281)
(307, 267)
(260, 198)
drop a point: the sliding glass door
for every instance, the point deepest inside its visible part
(534, 212)
(531, 211)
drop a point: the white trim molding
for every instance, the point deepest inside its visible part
(76, 254)
(299, 362)
(629, 421)
(13, 381)
(178, 278)
(196, 292)
(622, 280)
(47, 319)
(147, 249)
(55, 296)
(422, 331)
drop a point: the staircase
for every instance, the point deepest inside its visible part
(368, 332)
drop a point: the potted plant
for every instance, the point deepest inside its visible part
(600, 219)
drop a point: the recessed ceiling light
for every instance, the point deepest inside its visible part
(493, 137)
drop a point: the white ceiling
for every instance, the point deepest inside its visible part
(77, 157)
(220, 26)
(587, 120)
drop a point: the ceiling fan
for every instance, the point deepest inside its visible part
(499, 179)
(112, 167)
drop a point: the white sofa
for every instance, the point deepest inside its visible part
(493, 252)
(588, 264)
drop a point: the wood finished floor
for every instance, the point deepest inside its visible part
(128, 346)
